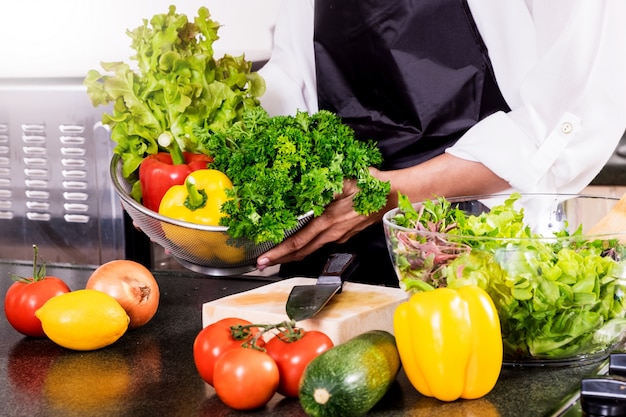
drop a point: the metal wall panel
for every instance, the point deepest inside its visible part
(55, 189)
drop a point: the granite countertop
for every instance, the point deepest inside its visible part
(150, 370)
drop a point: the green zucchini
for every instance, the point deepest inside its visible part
(350, 378)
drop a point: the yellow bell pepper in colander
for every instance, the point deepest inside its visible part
(199, 199)
(450, 342)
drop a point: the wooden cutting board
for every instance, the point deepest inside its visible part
(613, 222)
(357, 309)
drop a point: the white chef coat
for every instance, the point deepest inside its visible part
(560, 65)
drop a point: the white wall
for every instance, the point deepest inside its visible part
(66, 38)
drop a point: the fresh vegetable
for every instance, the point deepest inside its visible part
(216, 339)
(178, 86)
(292, 350)
(132, 285)
(556, 296)
(217, 246)
(158, 173)
(285, 166)
(349, 379)
(83, 319)
(199, 200)
(26, 295)
(245, 379)
(449, 342)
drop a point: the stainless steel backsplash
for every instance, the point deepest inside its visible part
(55, 188)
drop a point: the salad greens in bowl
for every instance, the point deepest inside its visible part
(559, 291)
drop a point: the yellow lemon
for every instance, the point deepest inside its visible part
(83, 320)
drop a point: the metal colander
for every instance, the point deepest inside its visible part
(206, 249)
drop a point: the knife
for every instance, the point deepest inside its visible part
(305, 301)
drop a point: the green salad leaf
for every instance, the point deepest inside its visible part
(557, 297)
(177, 86)
(283, 167)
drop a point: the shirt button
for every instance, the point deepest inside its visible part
(567, 128)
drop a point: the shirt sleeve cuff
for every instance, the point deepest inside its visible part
(501, 145)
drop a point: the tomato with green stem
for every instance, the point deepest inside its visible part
(26, 295)
(292, 349)
(246, 378)
(216, 339)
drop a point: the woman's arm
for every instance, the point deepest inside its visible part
(443, 175)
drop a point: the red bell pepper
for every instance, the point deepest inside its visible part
(157, 173)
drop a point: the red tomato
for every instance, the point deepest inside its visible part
(25, 297)
(293, 356)
(213, 341)
(245, 379)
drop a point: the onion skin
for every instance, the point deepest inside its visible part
(132, 285)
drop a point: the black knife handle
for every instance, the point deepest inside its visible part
(338, 268)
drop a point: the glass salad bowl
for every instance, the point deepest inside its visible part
(560, 290)
(206, 249)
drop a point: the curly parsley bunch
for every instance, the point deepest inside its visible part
(285, 166)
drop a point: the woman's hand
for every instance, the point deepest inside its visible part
(444, 175)
(338, 223)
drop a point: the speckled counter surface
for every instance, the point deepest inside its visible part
(150, 370)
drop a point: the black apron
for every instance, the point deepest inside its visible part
(412, 75)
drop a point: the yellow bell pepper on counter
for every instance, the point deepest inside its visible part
(199, 200)
(450, 342)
